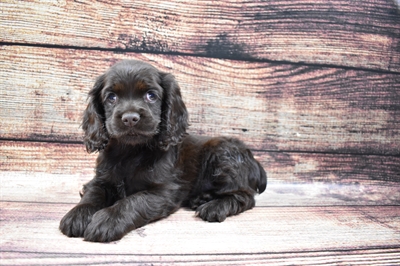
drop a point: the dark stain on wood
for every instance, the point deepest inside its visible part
(224, 46)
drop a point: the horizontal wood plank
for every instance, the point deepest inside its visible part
(344, 33)
(280, 235)
(269, 106)
(54, 173)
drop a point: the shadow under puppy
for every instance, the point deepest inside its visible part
(148, 166)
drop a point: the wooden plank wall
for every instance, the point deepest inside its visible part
(312, 86)
(295, 77)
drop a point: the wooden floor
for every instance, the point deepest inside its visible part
(311, 86)
(290, 225)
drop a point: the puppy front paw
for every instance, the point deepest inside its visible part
(107, 226)
(74, 223)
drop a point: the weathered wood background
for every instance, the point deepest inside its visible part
(312, 86)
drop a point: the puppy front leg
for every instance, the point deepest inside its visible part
(74, 223)
(127, 214)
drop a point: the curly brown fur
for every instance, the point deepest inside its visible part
(148, 166)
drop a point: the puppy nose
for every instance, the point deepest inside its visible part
(130, 119)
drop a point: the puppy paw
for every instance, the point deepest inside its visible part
(212, 211)
(107, 226)
(74, 223)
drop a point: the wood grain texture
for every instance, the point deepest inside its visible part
(270, 106)
(54, 173)
(364, 234)
(312, 87)
(361, 34)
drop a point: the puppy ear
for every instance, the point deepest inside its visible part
(174, 116)
(96, 136)
(262, 179)
(257, 175)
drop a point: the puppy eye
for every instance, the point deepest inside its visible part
(151, 96)
(112, 98)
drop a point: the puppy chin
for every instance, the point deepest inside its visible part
(133, 140)
(133, 137)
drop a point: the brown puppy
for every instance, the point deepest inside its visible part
(148, 166)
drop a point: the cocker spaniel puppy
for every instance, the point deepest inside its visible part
(148, 166)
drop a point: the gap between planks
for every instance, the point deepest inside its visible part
(317, 64)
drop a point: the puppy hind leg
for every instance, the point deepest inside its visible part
(231, 204)
(228, 168)
(201, 199)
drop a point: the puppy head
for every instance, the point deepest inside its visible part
(135, 104)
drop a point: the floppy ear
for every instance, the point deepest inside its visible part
(174, 116)
(96, 136)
